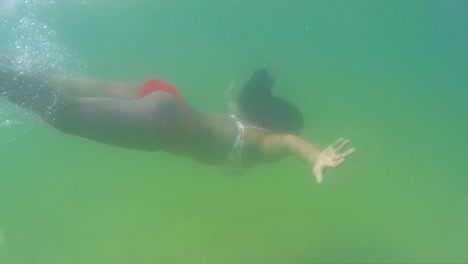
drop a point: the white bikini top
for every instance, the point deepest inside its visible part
(234, 160)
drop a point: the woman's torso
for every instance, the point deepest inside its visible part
(219, 140)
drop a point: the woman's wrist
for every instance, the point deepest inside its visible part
(302, 148)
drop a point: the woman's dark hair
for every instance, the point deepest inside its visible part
(259, 106)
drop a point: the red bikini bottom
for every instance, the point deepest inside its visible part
(176, 127)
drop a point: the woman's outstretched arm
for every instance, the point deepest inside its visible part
(320, 160)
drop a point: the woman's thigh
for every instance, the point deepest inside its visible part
(125, 123)
(94, 87)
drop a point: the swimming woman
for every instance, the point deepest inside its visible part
(154, 116)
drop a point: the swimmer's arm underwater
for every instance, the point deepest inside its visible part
(319, 160)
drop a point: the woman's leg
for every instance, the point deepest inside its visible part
(125, 123)
(132, 124)
(32, 93)
(94, 87)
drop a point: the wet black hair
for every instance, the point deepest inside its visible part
(257, 105)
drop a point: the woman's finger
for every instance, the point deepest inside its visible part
(346, 153)
(343, 144)
(337, 143)
(336, 163)
(318, 174)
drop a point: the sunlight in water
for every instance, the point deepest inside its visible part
(8, 7)
(30, 43)
(30, 46)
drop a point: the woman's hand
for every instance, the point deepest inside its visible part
(331, 157)
(274, 146)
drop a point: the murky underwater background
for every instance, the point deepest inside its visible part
(390, 75)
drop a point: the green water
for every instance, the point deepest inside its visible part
(389, 75)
